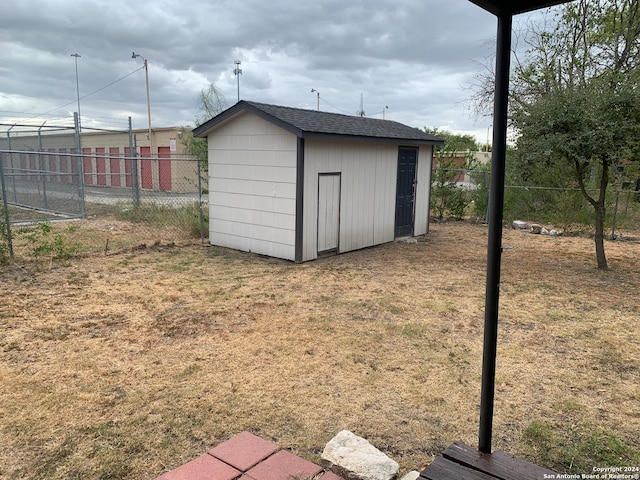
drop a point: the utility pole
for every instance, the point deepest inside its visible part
(77, 90)
(146, 76)
(237, 72)
(318, 95)
(360, 112)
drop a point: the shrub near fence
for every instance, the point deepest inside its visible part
(566, 209)
(109, 212)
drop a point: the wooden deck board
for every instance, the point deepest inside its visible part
(461, 461)
(444, 469)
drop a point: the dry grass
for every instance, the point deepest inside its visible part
(128, 365)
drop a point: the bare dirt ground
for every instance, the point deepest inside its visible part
(129, 364)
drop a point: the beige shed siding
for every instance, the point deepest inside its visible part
(423, 190)
(367, 202)
(252, 185)
(385, 196)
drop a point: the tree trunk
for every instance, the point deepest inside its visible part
(598, 205)
(599, 236)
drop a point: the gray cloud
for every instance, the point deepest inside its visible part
(413, 55)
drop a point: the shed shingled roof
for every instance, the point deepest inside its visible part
(318, 124)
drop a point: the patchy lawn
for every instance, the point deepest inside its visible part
(130, 364)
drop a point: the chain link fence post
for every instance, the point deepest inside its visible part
(13, 176)
(79, 165)
(42, 169)
(5, 208)
(133, 153)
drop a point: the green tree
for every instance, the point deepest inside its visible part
(576, 100)
(451, 161)
(453, 142)
(210, 102)
(447, 196)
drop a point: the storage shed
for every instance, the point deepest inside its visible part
(294, 183)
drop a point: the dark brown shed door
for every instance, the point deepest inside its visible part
(405, 191)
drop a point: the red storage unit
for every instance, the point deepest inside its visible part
(164, 168)
(114, 166)
(64, 166)
(101, 166)
(88, 166)
(146, 171)
(127, 166)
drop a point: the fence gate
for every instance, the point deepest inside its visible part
(41, 175)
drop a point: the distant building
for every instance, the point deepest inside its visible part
(459, 160)
(107, 157)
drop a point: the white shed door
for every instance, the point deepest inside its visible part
(328, 212)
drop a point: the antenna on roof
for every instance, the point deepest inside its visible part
(237, 72)
(360, 112)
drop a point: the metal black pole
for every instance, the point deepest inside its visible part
(494, 248)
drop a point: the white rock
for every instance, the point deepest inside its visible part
(519, 225)
(356, 458)
(408, 240)
(412, 475)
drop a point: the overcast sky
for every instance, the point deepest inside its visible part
(416, 57)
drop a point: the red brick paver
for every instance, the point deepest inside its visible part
(244, 451)
(204, 467)
(248, 457)
(329, 476)
(284, 465)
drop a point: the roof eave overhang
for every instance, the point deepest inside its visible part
(203, 130)
(510, 7)
(365, 139)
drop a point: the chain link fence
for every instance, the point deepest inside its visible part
(61, 197)
(564, 208)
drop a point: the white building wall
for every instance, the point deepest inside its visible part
(367, 201)
(423, 191)
(252, 187)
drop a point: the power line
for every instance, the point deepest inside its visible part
(11, 113)
(89, 94)
(337, 108)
